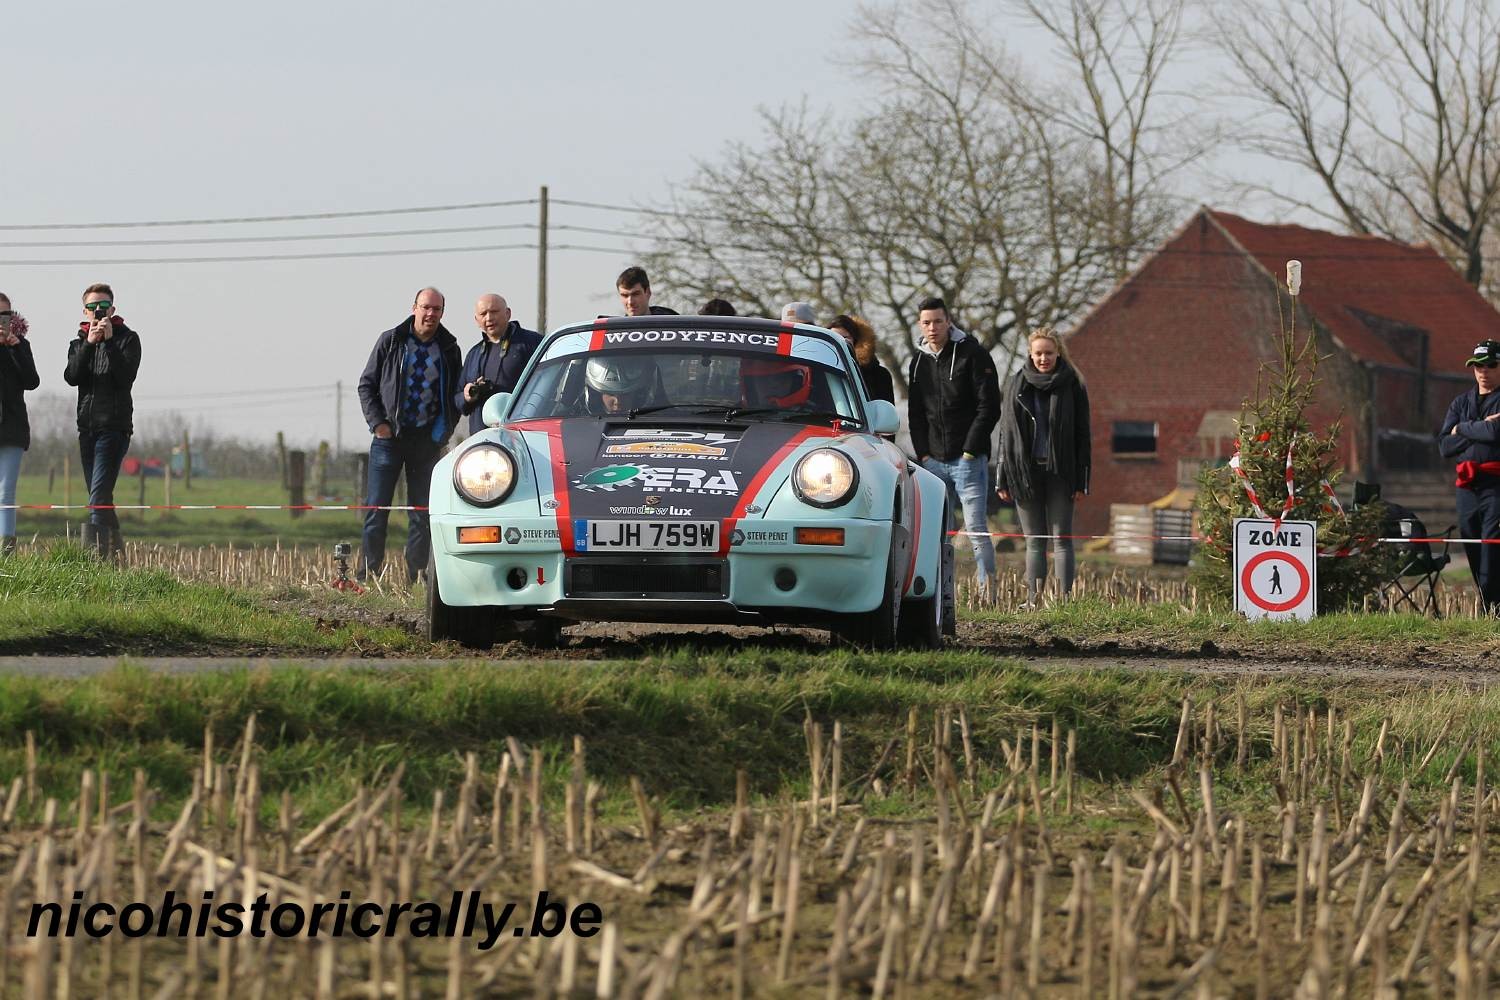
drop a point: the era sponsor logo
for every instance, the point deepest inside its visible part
(665, 479)
(729, 338)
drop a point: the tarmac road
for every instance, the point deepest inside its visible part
(89, 666)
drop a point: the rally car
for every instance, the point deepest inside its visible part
(688, 469)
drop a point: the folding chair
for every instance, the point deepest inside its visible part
(1415, 582)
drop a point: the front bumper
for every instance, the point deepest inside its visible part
(767, 575)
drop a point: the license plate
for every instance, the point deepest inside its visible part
(646, 536)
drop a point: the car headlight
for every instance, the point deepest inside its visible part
(484, 475)
(824, 478)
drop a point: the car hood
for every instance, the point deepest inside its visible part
(606, 468)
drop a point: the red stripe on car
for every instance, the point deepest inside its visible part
(784, 344)
(555, 454)
(916, 534)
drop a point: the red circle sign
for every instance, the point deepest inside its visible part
(1304, 581)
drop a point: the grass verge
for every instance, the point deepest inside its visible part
(61, 601)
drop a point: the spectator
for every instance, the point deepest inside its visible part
(717, 307)
(1045, 455)
(799, 312)
(493, 364)
(861, 340)
(953, 401)
(102, 362)
(408, 392)
(17, 377)
(1471, 436)
(635, 294)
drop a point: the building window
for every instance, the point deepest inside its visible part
(1134, 437)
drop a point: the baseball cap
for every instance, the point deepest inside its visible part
(802, 312)
(1486, 352)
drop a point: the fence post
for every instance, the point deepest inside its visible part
(281, 455)
(167, 488)
(296, 473)
(142, 500)
(320, 472)
(361, 477)
(187, 461)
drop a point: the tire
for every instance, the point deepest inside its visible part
(540, 633)
(925, 621)
(473, 628)
(880, 629)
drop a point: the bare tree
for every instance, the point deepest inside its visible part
(966, 181)
(1394, 108)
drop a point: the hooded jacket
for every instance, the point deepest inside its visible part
(1478, 439)
(384, 377)
(17, 376)
(501, 365)
(953, 398)
(104, 374)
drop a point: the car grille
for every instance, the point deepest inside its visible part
(637, 577)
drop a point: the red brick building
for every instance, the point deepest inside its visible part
(1172, 351)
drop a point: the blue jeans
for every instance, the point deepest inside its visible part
(968, 480)
(416, 454)
(102, 452)
(10, 471)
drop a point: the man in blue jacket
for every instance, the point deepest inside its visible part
(407, 394)
(495, 363)
(1471, 438)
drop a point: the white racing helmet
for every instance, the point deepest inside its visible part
(619, 376)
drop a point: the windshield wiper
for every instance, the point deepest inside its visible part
(639, 410)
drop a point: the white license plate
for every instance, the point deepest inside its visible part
(646, 536)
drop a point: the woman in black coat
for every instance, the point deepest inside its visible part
(861, 340)
(1045, 454)
(17, 377)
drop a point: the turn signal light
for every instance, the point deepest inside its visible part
(820, 536)
(488, 533)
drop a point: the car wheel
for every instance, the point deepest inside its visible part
(925, 621)
(473, 628)
(879, 629)
(540, 633)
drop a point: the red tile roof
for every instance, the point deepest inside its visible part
(1407, 283)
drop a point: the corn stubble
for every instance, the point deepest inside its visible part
(992, 881)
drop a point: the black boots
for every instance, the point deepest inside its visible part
(105, 542)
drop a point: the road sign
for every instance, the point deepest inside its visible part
(1275, 568)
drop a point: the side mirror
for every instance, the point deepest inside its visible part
(494, 409)
(883, 417)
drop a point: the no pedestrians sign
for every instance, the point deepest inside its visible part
(1275, 568)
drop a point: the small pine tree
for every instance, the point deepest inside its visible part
(1271, 423)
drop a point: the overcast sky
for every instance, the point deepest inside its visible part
(178, 110)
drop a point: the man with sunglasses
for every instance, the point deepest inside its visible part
(1471, 438)
(102, 362)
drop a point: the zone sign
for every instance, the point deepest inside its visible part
(1275, 568)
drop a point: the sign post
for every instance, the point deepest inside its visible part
(1275, 568)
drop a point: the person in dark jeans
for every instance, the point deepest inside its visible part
(1046, 455)
(407, 394)
(102, 362)
(17, 377)
(1470, 438)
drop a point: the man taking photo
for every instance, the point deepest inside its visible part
(495, 363)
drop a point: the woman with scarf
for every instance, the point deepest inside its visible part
(1045, 451)
(861, 339)
(17, 377)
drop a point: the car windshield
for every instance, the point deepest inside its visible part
(627, 383)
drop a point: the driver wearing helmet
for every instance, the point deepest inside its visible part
(779, 384)
(618, 384)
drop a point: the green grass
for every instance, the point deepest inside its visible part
(1169, 624)
(60, 600)
(199, 527)
(682, 721)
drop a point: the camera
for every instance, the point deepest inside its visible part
(483, 389)
(342, 550)
(99, 309)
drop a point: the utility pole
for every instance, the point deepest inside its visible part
(541, 265)
(338, 418)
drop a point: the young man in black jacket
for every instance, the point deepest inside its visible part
(493, 364)
(407, 394)
(102, 362)
(953, 401)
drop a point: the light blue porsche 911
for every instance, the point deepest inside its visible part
(689, 469)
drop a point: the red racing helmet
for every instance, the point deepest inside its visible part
(776, 383)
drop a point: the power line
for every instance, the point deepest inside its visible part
(265, 257)
(203, 240)
(274, 218)
(242, 392)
